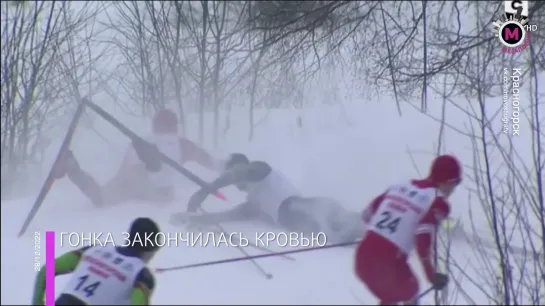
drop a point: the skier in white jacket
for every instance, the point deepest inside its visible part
(271, 197)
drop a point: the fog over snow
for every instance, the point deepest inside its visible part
(346, 140)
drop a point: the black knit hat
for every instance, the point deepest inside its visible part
(144, 235)
(236, 159)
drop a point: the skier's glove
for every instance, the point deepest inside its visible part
(440, 281)
(148, 154)
(196, 200)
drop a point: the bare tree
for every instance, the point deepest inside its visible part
(33, 36)
(168, 24)
(213, 60)
(504, 265)
(140, 72)
(207, 56)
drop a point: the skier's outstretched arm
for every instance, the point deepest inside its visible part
(192, 152)
(242, 174)
(64, 264)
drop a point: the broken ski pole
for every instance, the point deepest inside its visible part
(167, 160)
(217, 262)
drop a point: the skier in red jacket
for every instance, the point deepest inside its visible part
(405, 215)
(141, 175)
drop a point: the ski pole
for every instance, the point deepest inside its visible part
(422, 294)
(237, 259)
(264, 249)
(167, 160)
(254, 245)
(245, 253)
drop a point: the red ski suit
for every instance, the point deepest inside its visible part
(403, 216)
(132, 182)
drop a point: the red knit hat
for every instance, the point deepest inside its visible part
(445, 169)
(165, 122)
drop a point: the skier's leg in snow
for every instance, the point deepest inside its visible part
(117, 190)
(147, 180)
(68, 165)
(318, 214)
(353, 227)
(133, 184)
(295, 214)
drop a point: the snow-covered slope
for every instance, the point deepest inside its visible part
(326, 157)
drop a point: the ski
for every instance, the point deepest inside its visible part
(48, 183)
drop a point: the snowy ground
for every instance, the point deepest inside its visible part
(326, 157)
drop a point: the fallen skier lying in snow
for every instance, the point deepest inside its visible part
(141, 175)
(272, 198)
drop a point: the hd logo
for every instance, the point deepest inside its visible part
(513, 29)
